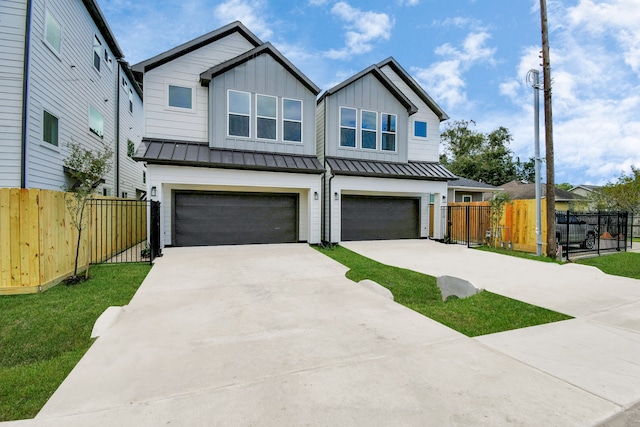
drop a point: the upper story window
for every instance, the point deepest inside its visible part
(96, 122)
(108, 60)
(130, 101)
(420, 129)
(179, 97)
(348, 127)
(292, 120)
(97, 50)
(49, 128)
(53, 32)
(369, 129)
(239, 113)
(266, 116)
(388, 132)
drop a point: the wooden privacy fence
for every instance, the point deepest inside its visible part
(38, 240)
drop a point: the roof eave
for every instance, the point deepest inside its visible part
(103, 26)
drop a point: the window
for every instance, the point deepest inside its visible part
(108, 59)
(466, 198)
(97, 48)
(266, 116)
(124, 194)
(239, 112)
(292, 120)
(53, 32)
(180, 97)
(130, 101)
(388, 132)
(49, 128)
(347, 127)
(420, 129)
(96, 122)
(144, 177)
(369, 129)
(131, 148)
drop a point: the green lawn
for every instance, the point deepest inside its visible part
(517, 254)
(43, 336)
(484, 313)
(626, 264)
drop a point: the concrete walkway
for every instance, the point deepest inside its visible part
(276, 335)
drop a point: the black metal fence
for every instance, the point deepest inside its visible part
(465, 225)
(124, 230)
(592, 233)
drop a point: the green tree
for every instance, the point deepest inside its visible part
(564, 186)
(87, 167)
(624, 194)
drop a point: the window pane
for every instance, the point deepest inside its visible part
(420, 129)
(348, 117)
(368, 139)
(347, 137)
(369, 120)
(266, 106)
(96, 122)
(388, 142)
(238, 125)
(266, 128)
(292, 131)
(239, 102)
(180, 97)
(388, 123)
(96, 53)
(292, 109)
(50, 129)
(53, 32)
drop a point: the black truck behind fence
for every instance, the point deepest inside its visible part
(592, 232)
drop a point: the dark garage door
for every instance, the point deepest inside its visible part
(211, 218)
(380, 218)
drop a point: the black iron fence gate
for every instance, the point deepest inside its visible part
(123, 230)
(465, 225)
(593, 232)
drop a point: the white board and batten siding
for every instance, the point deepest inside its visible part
(168, 178)
(420, 149)
(162, 121)
(12, 35)
(131, 172)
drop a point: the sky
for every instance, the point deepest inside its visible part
(471, 56)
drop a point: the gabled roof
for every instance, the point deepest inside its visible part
(412, 170)
(471, 184)
(188, 153)
(406, 77)
(195, 44)
(386, 82)
(520, 191)
(266, 48)
(587, 187)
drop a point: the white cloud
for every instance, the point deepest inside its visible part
(363, 29)
(249, 12)
(445, 79)
(318, 2)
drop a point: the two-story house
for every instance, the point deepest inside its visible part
(63, 79)
(378, 136)
(229, 142)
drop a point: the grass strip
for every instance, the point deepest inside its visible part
(43, 336)
(481, 314)
(625, 264)
(518, 254)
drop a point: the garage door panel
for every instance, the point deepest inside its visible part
(203, 218)
(379, 218)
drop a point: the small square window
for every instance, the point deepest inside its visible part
(53, 32)
(466, 198)
(180, 97)
(97, 48)
(420, 129)
(49, 128)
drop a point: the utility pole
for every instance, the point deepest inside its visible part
(548, 135)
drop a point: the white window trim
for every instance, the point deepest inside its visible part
(108, 59)
(44, 34)
(238, 114)
(393, 133)
(93, 53)
(89, 123)
(294, 121)
(41, 140)
(465, 197)
(340, 126)
(413, 131)
(191, 110)
(368, 130)
(262, 117)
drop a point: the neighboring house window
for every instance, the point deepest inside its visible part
(466, 198)
(49, 128)
(131, 148)
(239, 113)
(53, 32)
(292, 120)
(388, 132)
(97, 48)
(347, 127)
(96, 122)
(124, 194)
(369, 129)
(420, 129)
(144, 177)
(130, 101)
(266, 116)
(180, 97)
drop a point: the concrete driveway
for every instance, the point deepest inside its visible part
(276, 335)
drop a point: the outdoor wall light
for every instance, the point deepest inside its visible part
(153, 191)
(315, 195)
(336, 196)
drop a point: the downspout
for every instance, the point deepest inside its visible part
(25, 96)
(117, 141)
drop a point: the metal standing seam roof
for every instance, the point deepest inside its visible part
(186, 153)
(374, 168)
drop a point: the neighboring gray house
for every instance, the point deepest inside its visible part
(62, 79)
(229, 142)
(464, 190)
(585, 190)
(378, 136)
